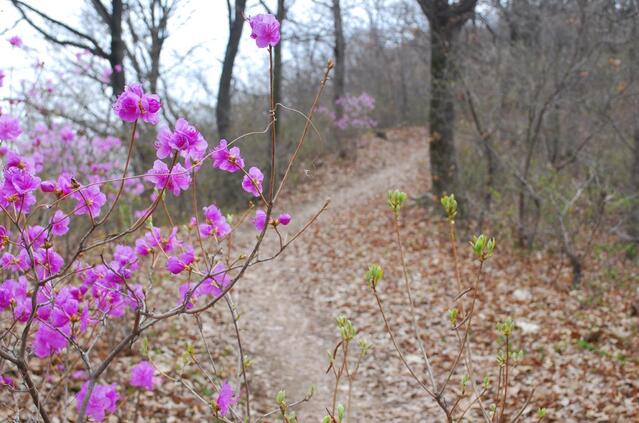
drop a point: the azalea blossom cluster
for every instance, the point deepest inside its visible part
(356, 112)
(59, 187)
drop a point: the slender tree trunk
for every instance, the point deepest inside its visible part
(116, 56)
(277, 63)
(339, 78)
(223, 108)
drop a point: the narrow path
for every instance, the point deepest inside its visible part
(288, 329)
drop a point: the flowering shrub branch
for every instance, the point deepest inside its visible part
(455, 404)
(58, 306)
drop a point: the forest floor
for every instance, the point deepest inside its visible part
(580, 346)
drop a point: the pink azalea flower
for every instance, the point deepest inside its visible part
(216, 285)
(48, 341)
(284, 219)
(177, 264)
(59, 223)
(4, 236)
(187, 140)
(36, 236)
(47, 262)
(142, 375)
(260, 220)
(103, 399)
(89, 200)
(47, 186)
(15, 41)
(225, 398)
(9, 128)
(225, 159)
(134, 104)
(178, 179)
(252, 183)
(20, 181)
(216, 223)
(265, 30)
(162, 143)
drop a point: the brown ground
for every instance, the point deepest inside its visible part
(580, 348)
(289, 306)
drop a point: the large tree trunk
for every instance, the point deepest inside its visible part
(116, 56)
(223, 108)
(446, 21)
(634, 186)
(443, 158)
(339, 79)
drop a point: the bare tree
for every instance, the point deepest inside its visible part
(446, 20)
(223, 107)
(145, 51)
(74, 37)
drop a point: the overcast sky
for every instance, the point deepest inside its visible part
(197, 22)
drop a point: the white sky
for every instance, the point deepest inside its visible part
(197, 22)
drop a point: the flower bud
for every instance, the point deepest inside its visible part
(284, 219)
(395, 200)
(280, 398)
(450, 206)
(47, 186)
(374, 275)
(483, 246)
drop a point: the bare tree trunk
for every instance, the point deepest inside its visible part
(339, 79)
(633, 228)
(277, 65)
(443, 158)
(118, 48)
(634, 184)
(446, 21)
(223, 108)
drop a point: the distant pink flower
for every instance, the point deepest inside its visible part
(252, 183)
(134, 104)
(260, 220)
(227, 159)
(2, 75)
(9, 128)
(15, 41)
(225, 398)
(175, 181)
(142, 375)
(103, 399)
(105, 75)
(265, 30)
(59, 223)
(284, 219)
